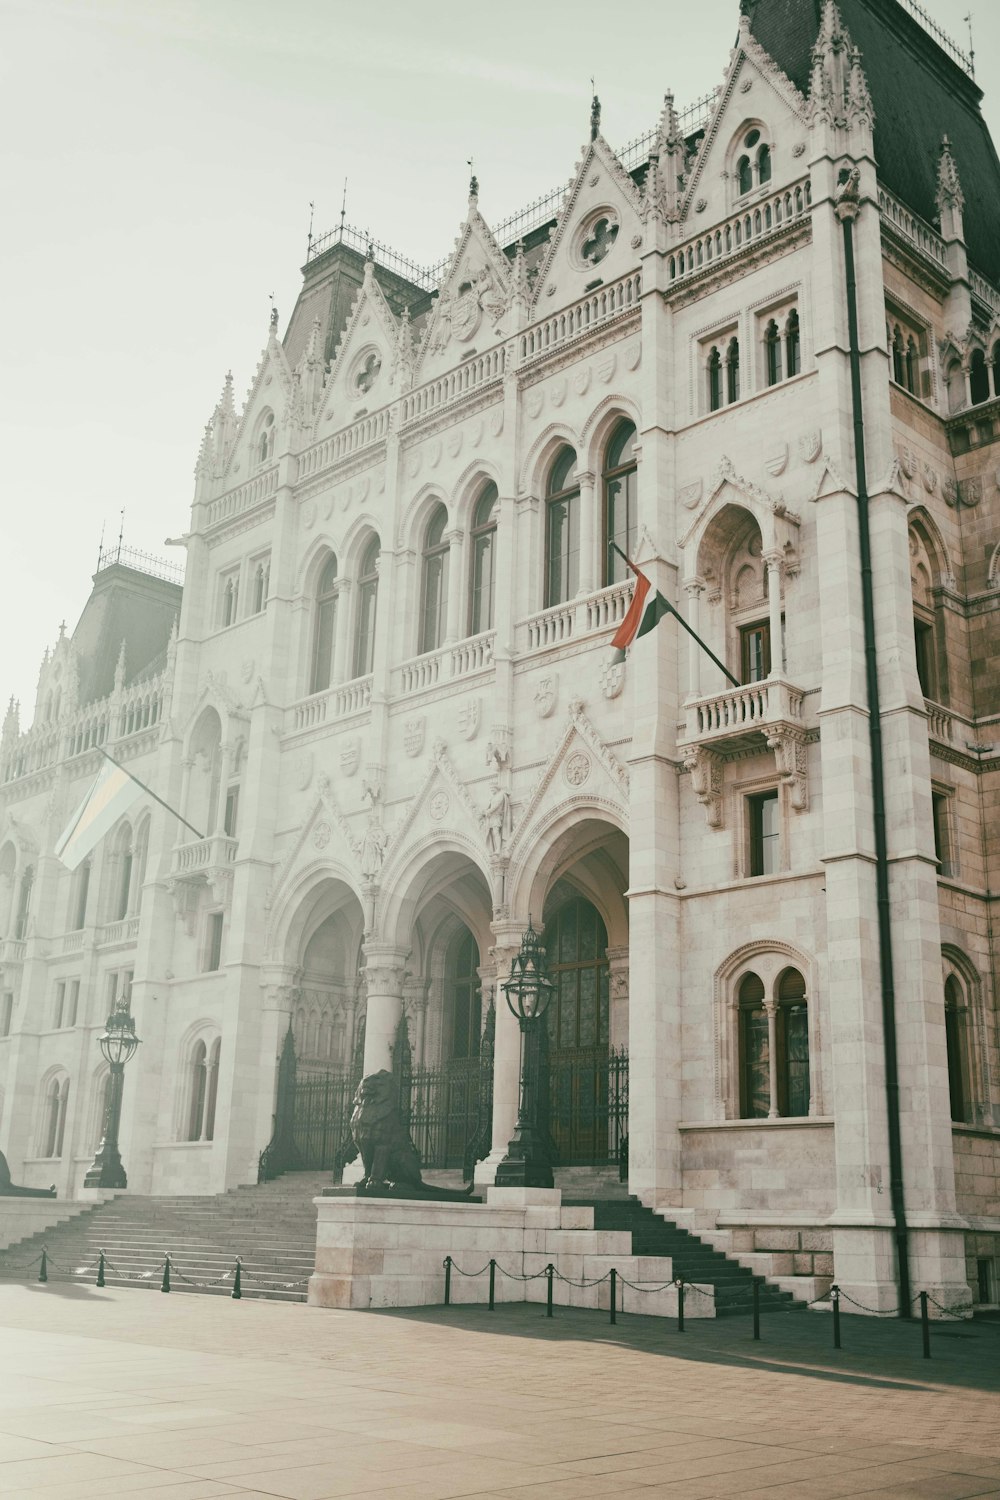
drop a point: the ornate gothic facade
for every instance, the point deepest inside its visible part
(386, 700)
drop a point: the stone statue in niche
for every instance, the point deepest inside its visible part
(498, 819)
(374, 839)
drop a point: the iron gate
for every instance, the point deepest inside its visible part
(587, 1106)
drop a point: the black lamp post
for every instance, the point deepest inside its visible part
(118, 1045)
(528, 992)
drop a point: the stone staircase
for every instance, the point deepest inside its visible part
(693, 1260)
(271, 1227)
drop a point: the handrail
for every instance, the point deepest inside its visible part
(755, 222)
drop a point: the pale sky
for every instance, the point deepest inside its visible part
(158, 158)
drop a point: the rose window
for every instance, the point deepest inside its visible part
(368, 374)
(602, 236)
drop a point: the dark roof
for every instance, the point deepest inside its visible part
(128, 606)
(920, 94)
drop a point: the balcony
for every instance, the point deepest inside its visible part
(203, 864)
(119, 933)
(12, 952)
(326, 707)
(736, 720)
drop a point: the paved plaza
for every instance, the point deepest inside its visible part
(117, 1392)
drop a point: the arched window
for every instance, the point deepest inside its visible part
(764, 165)
(754, 1052)
(434, 582)
(793, 344)
(54, 1117)
(121, 875)
(792, 1027)
(212, 1091)
(576, 944)
(956, 1039)
(482, 592)
(714, 379)
(621, 519)
(324, 630)
(265, 441)
(198, 1085)
(733, 371)
(772, 353)
(562, 530)
(463, 1005)
(230, 599)
(78, 897)
(261, 584)
(744, 175)
(364, 640)
(979, 378)
(996, 384)
(24, 903)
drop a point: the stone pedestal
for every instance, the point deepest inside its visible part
(390, 1252)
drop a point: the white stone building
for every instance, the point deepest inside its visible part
(390, 704)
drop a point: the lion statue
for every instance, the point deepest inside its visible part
(390, 1159)
(9, 1189)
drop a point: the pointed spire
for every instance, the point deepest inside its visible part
(520, 289)
(206, 453)
(224, 420)
(949, 188)
(11, 723)
(404, 354)
(838, 88)
(310, 373)
(664, 184)
(859, 99)
(595, 118)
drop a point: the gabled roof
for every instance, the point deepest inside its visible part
(919, 94)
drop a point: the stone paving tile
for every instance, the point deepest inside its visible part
(23, 1475)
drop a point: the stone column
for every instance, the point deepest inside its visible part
(384, 979)
(590, 565)
(455, 622)
(775, 569)
(694, 588)
(618, 999)
(506, 1054)
(771, 1010)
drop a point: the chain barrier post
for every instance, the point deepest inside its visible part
(756, 1308)
(165, 1284)
(237, 1291)
(447, 1281)
(493, 1283)
(549, 1274)
(43, 1269)
(925, 1325)
(100, 1269)
(614, 1294)
(835, 1300)
(680, 1304)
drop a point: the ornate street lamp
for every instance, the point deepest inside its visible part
(528, 993)
(118, 1045)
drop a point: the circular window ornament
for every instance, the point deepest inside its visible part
(597, 237)
(367, 372)
(751, 138)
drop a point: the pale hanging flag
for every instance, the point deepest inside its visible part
(112, 794)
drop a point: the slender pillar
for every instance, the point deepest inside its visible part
(454, 624)
(771, 1011)
(506, 1054)
(341, 632)
(774, 561)
(590, 568)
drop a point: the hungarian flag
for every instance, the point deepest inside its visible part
(642, 617)
(112, 793)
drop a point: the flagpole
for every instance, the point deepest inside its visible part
(149, 791)
(679, 617)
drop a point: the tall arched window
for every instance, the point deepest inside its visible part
(463, 1005)
(482, 591)
(621, 517)
(198, 1084)
(212, 1090)
(793, 344)
(230, 599)
(434, 582)
(754, 1052)
(733, 371)
(261, 584)
(265, 440)
(325, 627)
(714, 379)
(772, 353)
(744, 175)
(956, 1039)
(792, 1025)
(979, 378)
(121, 875)
(576, 944)
(562, 530)
(996, 386)
(764, 165)
(364, 640)
(54, 1117)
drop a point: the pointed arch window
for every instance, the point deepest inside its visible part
(364, 640)
(956, 1040)
(482, 592)
(772, 353)
(434, 582)
(576, 945)
(793, 344)
(979, 378)
(744, 175)
(714, 379)
(792, 1038)
(764, 165)
(621, 514)
(265, 441)
(261, 585)
(562, 530)
(325, 627)
(754, 1050)
(199, 1087)
(230, 597)
(733, 371)
(463, 992)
